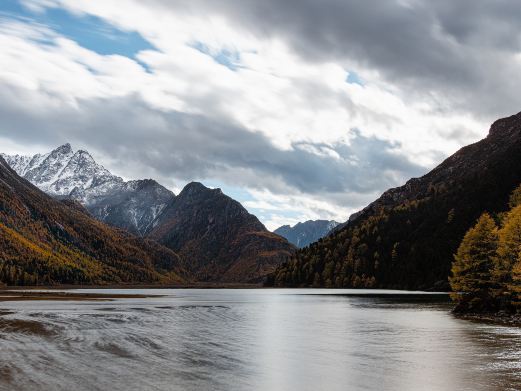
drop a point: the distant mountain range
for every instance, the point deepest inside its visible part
(47, 241)
(132, 205)
(303, 234)
(406, 239)
(215, 237)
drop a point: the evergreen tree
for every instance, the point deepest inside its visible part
(508, 255)
(515, 198)
(515, 286)
(472, 281)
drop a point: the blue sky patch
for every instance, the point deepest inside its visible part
(230, 59)
(354, 78)
(88, 31)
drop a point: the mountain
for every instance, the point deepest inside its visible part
(303, 234)
(47, 241)
(132, 205)
(217, 239)
(406, 239)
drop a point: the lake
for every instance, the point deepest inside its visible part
(253, 339)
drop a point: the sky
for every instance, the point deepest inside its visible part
(299, 109)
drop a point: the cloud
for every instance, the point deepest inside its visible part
(312, 107)
(189, 146)
(452, 50)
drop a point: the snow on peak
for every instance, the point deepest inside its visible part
(132, 205)
(61, 171)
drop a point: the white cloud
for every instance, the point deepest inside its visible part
(274, 92)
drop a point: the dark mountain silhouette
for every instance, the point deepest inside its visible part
(406, 239)
(217, 239)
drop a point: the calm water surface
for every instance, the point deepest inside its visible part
(253, 340)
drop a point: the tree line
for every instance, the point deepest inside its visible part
(486, 272)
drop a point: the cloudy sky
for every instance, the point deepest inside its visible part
(300, 109)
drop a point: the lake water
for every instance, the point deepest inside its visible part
(254, 340)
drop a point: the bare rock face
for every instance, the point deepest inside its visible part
(303, 234)
(63, 173)
(217, 238)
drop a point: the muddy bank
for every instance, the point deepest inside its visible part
(26, 295)
(195, 285)
(25, 327)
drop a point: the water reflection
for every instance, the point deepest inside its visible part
(254, 339)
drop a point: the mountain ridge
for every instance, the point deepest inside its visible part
(131, 205)
(47, 241)
(406, 238)
(304, 233)
(217, 238)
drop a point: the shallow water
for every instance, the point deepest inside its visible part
(253, 340)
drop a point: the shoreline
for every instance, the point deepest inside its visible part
(198, 285)
(511, 320)
(23, 295)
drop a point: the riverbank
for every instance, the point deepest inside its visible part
(195, 285)
(503, 319)
(32, 295)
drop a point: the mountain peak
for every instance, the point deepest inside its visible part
(217, 238)
(304, 233)
(84, 155)
(505, 126)
(132, 205)
(195, 189)
(64, 149)
(406, 238)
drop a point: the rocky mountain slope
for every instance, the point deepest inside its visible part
(63, 172)
(217, 239)
(47, 241)
(303, 234)
(406, 239)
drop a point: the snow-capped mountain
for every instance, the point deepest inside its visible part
(132, 205)
(62, 171)
(303, 234)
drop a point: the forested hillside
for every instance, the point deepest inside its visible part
(217, 239)
(406, 239)
(45, 241)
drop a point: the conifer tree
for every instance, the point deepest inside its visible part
(508, 251)
(515, 198)
(472, 281)
(515, 287)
